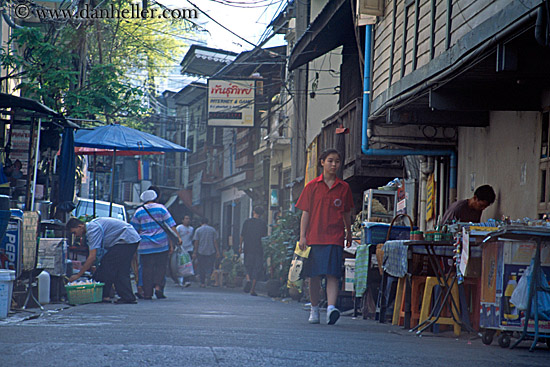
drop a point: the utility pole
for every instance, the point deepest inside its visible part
(300, 97)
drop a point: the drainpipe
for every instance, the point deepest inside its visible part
(541, 25)
(394, 152)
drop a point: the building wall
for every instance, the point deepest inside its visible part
(7, 85)
(465, 16)
(504, 155)
(326, 98)
(316, 7)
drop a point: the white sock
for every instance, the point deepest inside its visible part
(314, 308)
(330, 308)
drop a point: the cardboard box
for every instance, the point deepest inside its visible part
(51, 255)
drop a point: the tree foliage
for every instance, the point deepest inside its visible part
(101, 69)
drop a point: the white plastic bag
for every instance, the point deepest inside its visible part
(180, 264)
(520, 296)
(185, 264)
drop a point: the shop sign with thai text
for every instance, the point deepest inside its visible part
(231, 102)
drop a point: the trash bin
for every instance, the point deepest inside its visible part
(6, 288)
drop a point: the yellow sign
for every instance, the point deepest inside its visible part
(430, 201)
(311, 162)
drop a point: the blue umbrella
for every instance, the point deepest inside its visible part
(118, 137)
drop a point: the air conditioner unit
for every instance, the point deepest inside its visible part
(370, 7)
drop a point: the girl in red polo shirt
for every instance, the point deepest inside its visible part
(326, 203)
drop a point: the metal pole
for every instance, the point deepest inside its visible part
(35, 170)
(29, 160)
(112, 182)
(94, 182)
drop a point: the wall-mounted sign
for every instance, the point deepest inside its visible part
(231, 102)
(20, 140)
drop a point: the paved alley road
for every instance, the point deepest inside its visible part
(224, 327)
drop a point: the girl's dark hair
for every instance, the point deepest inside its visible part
(326, 153)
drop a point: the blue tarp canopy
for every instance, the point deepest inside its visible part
(67, 172)
(118, 137)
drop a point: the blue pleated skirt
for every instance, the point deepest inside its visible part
(324, 260)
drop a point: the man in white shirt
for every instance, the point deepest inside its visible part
(185, 230)
(114, 242)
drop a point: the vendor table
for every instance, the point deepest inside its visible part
(375, 233)
(539, 236)
(396, 255)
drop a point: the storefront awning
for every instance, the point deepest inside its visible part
(204, 61)
(328, 31)
(11, 101)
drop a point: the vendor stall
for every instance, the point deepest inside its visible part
(37, 184)
(374, 234)
(507, 254)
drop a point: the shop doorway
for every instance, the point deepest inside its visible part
(226, 226)
(236, 227)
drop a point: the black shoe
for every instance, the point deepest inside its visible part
(159, 295)
(247, 287)
(253, 293)
(139, 295)
(121, 301)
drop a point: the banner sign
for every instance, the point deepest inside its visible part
(196, 189)
(231, 102)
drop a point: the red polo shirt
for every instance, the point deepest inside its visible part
(325, 207)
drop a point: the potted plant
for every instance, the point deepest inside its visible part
(232, 268)
(238, 272)
(278, 249)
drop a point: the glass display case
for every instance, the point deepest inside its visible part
(379, 205)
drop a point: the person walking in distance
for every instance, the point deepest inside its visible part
(251, 245)
(206, 250)
(326, 202)
(185, 230)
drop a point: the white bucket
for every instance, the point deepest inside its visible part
(349, 265)
(44, 288)
(6, 288)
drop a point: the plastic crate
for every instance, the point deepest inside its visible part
(85, 293)
(376, 233)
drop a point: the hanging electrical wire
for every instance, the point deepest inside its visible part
(246, 4)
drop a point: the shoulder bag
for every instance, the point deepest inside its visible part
(173, 237)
